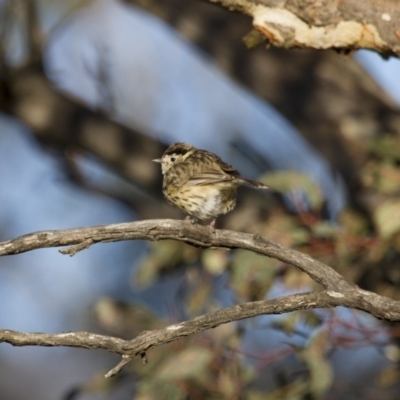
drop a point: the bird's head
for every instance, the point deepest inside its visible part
(176, 153)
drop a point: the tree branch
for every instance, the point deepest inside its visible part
(148, 339)
(203, 236)
(337, 291)
(196, 235)
(324, 24)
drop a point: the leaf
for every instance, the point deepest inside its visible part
(387, 218)
(287, 182)
(149, 390)
(381, 176)
(352, 222)
(285, 230)
(215, 261)
(164, 256)
(389, 376)
(226, 335)
(321, 372)
(228, 384)
(252, 274)
(189, 363)
(287, 325)
(311, 319)
(296, 390)
(198, 298)
(234, 376)
(325, 230)
(386, 147)
(253, 38)
(124, 319)
(392, 353)
(295, 280)
(389, 179)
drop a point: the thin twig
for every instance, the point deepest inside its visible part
(138, 346)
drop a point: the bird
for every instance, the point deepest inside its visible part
(199, 183)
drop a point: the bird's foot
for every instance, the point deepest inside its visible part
(212, 225)
(190, 219)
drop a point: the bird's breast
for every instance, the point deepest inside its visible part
(201, 201)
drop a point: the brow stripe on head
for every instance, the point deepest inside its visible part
(179, 149)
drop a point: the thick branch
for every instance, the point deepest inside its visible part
(196, 235)
(202, 236)
(323, 24)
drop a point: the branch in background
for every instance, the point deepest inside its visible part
(27, 95)
(59, 120)
(64, 122)
(33, 35)
(5, 29)
(306, 86)
(323, 24)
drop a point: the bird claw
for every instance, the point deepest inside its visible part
(190, 219)
(212, 225)
(194, 221)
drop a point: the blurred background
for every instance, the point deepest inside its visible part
(90, 93)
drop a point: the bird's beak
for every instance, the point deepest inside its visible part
(159, 160)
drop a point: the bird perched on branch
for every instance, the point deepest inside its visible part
(199, 183)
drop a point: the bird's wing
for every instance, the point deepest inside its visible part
(228, 169)
(211, 176)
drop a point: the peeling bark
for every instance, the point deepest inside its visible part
(324, 24)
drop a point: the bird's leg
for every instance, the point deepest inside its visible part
(212, 225)
(190, 219)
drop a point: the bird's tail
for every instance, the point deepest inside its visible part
(254, 184)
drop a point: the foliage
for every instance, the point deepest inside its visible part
(216, 364)
(364, 245)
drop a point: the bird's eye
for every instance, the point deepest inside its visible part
(173, 159)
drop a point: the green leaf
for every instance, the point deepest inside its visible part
(285, 230)
(381, 176)
(387, 218)
(189, 363)
(253, 38)
(164, 256)
(287, 181)
(198, 299)
(287, 325)
(296, 390)
(352, 222)
(321, 372)
(215, 261)
(386, 147)
(149, 390)
(325, 230)
(389, 376)
(251, 274)
(389, 179)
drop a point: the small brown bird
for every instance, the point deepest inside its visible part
(199, 183)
